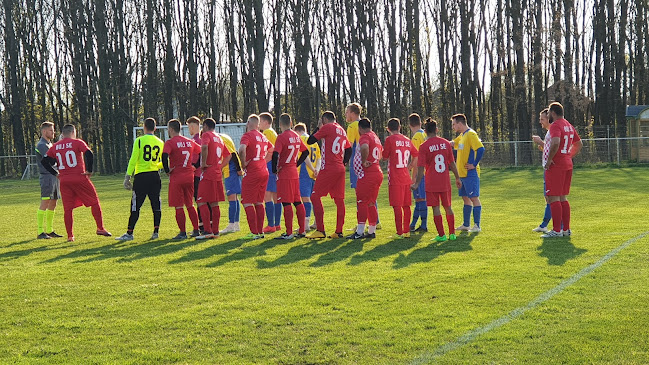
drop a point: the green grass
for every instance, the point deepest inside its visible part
(331, 301)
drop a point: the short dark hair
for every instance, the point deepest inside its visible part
(355, 108)
(209, 123)
(285, 119)
(556, 108)
(149, 124)
(266, 116)
(414, 119)
(459, 118)
(394, 124)
(430, 126)
(329, 115)
(365, 124)
(46, 125)
(194, 120)
(68, 128)
(300, 127)
(174, 124)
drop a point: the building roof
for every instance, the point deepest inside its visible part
(633, 111)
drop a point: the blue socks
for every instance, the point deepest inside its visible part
(278, 214)
(546, 217)
(415, 216)
(476, 215)
(270, 213)
(307, 208)
(467, 215)
(232, 211)
(423, 213)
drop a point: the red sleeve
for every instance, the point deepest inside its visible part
(555, 130)
(576, 138)
(205, 139)
(414, 152)
(279, 143)
(365, 139)
(386, 148)
(226, 152)
(422, 156)
(167, 147)
(322, 132)
(346, 143)
(244, 139)
(302, 145)
(81, 146)
(449, 153)
(196, 148)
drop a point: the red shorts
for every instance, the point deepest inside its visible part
(210, 191)
(330, 182)
(288, 191)
(181, 193)
(77, 192)
(253, 189)
(433, 198)
(367, 188)
(400, 195)
(557, 182)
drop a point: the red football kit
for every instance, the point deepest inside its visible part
(435, 154)
(370, 177)
(256, 173)
(181, 151)
(331, 178)
(76, 188)
(289, 146)
(559, 174)
(210, 190)
(399, 151)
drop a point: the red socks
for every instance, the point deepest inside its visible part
(180, 219)
(67, 218)
(96, 213)
(340, 214)
(361, 213)
(318, 212)
(439, 225)
(205, 214)
(450, 218)
(301, 217)
(565, 213)
(407, 213)
(251, 215)
(261, 212)
(193, 217)
(398, 219)
(216, 217)
(288, 218)
(372, 215)
(557, 215)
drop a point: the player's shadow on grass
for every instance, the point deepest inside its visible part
(388, 249)
(219, 248)
(303, 250)
(559, 250)
(255, 249)
(12, 255)
(434, 250)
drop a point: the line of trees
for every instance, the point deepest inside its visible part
(105, 65)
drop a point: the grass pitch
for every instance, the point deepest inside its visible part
(331, 301)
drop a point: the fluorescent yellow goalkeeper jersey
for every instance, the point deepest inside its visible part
(146, 155)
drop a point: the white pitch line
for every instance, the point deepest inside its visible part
(471, 335)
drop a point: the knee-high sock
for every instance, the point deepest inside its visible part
(415, 215)
(133, 218)
(301, 217)
(216, 219)
(96, 213)
(49, 221)
(557, 215)
(205, 213)
(260, 218)
(237, 215)
(361, 213)
(378, 220)
(477, 212)
(467, 215)
(307, 209)
(157, 217)
(406, 219)
(398, 219)
(340, 214)
(547, 215)
(251, 215)
(439, 224)
(278, 214)
(372, 215)
(423, 214)
(288, 218)
(270, 213)
(181, 220)
(450, 219)
(232, 211)
(565, 214)
(68, 220)
(40, 220)
(318, 212)
(193, 216)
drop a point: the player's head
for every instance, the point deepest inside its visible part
(173, 127)
(544, 118)
(328, 117)
(265, 121)
(430, 126)
(414, 120)
(394, 125)
(353, 112)
(285, 122)
(364, 126)
(300, 128)
(253, 123)
(458, 123)
(69, 131)
(47, 130)
(149, 125)
(208, 124)
(194, 125)
(555, 111)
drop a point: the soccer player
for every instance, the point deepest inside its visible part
(366, 163)
(290, 152)
(401, 154)
(273, 207)
(194, 126)
(177, 163)
(565, 144)
(420, 211)
(232, 181)
(254, 150)
(74, 160)
(308, 172)
(544, 146)
(143, 166)
(469, 153)
(50, 190)
(436, 156)
(336, 152)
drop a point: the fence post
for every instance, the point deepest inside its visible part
(617, 147)
(515, 153)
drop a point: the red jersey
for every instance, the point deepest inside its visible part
(334, 142)
(289, 145)
(215, 153)
(68, 154)
(567, 135)
(197, 138)
(398, 149)
(376, 150)
(435, 155)
(257, 146)
(181, 151)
